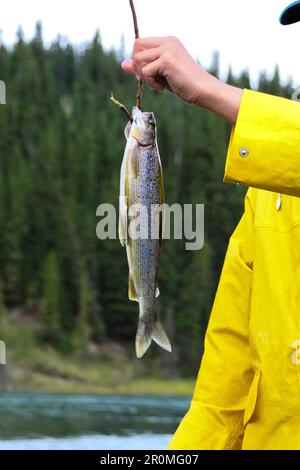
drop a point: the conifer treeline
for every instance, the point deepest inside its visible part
(61, 144)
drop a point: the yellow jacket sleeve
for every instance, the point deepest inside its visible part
(264, 149)
(215, 418)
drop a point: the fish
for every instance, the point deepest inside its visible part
(141, 190)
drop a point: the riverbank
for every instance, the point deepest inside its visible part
(108, 368)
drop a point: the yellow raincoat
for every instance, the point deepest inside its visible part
(247, 395)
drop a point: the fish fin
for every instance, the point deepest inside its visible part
(157, 293)
(132, 292)
(123, 220)
(148, 331)
(160, 337)
(143, 338)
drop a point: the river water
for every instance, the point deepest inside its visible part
(69, 422)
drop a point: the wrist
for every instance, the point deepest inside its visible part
(228, 101)
(219, 97)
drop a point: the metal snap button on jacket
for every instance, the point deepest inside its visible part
(244, 152)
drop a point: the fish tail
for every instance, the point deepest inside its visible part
(150, 329)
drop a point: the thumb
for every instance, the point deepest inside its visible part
(127, 66)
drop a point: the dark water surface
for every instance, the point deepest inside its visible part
(37, 421)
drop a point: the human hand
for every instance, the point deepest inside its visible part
(164, 63)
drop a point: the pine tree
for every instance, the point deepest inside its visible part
(61, 145)
(51, 300)
(86, 301)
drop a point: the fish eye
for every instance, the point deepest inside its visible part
(151, 122)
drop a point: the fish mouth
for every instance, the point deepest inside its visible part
(137, 115)
(140, 117)
(140, 130)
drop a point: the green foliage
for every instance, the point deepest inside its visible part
(61, 144)
(86, 294)
(50, 304)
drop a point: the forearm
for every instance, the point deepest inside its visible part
(220, 98)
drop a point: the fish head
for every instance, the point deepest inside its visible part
(143, 127)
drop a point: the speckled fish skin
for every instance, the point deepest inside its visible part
(141, 185)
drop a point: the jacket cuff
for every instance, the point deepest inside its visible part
(264, 147)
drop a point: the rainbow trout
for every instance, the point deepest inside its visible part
(140, 227)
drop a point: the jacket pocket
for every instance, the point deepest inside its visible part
(252, 398)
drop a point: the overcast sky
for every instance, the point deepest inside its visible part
(246, 32)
